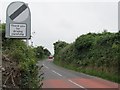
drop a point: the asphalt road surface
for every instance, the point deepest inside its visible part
(58, 77)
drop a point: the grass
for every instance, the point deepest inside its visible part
(101, 74)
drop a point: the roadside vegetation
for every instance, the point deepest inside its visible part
(41, 53)
(19, 63)
(96, 54)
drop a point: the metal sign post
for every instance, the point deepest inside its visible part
(18, 21)
(27, 42)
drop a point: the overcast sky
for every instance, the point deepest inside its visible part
(54, 20)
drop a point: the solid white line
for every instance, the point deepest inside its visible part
(77, 84)
(56, 73)
(45, 66)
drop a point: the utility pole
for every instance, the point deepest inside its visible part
(0, 58)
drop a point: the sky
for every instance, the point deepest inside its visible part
(53, 20)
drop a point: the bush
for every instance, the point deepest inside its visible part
(96, 51)
(25, 57)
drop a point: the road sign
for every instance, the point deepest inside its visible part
(18, 29)
(18, 20)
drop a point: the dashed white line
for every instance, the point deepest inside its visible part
(68, 79)
(45, 66)
(77, 84)
(56, 73)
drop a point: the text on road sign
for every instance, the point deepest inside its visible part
(18, 29)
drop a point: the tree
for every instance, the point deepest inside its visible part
(40, 52)
(47, 52)
(59, 45)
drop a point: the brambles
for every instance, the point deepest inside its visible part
(11, 73)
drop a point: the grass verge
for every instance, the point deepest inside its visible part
(101, 74)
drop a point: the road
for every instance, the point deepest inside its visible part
(58, 77)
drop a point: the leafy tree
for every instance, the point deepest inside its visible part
(59, 45)
(41, 52)
(47, 52)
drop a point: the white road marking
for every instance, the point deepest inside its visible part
(56, 73)
(45, 66)
(77, 84)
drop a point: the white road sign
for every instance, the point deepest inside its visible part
(18, 20)
(18, 29)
